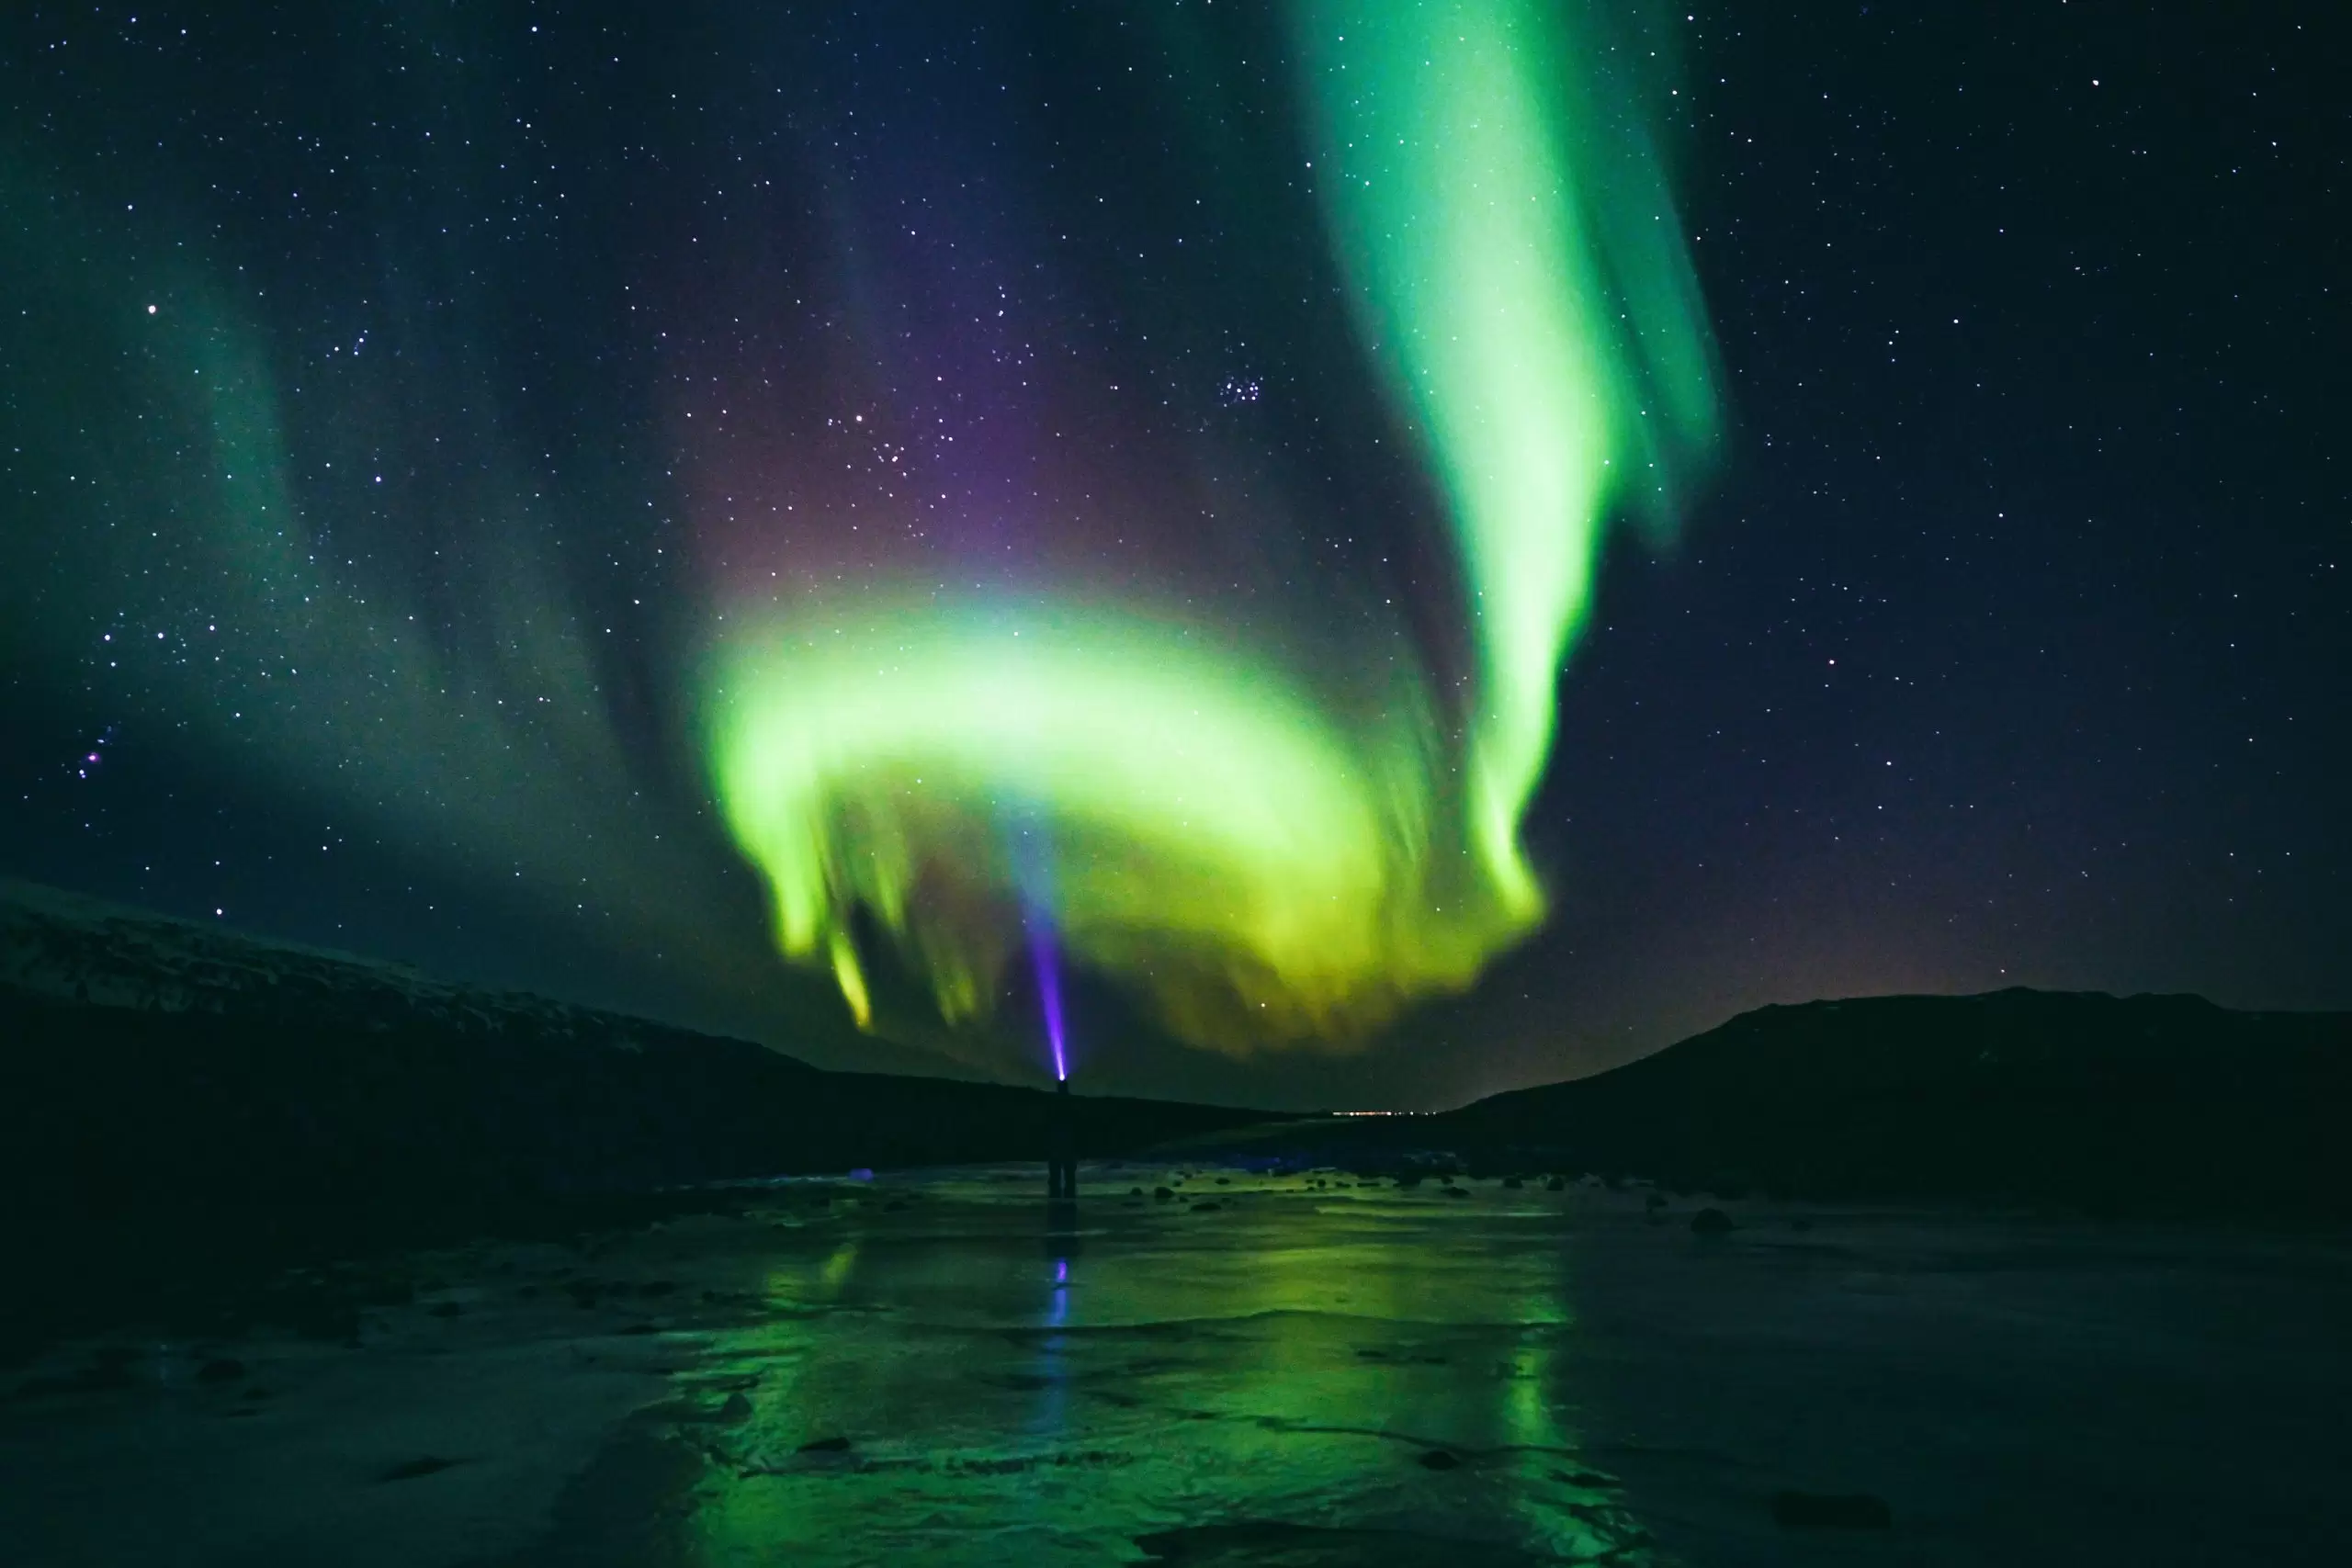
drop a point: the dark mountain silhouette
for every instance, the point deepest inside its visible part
(179, 1103)
(180, 1106)
(2115, 1103)
(2156, 1105)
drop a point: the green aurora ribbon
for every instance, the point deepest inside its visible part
(1264, 861)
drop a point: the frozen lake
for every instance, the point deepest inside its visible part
(1312, 1371)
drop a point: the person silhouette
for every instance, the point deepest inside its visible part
(1061, 1147)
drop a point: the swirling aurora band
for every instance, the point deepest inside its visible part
(1265, 862)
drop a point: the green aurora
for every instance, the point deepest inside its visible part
(403, 561)
(1267, 860)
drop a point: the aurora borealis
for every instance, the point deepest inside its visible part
(1270, 838)
(1270, 859)
(1443, 538)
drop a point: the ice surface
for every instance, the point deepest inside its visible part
(1349, 1362)
(1294, 1370)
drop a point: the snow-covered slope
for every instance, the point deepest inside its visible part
(70, 948)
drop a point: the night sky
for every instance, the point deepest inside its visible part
(463, 465)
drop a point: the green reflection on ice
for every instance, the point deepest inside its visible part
(1288, 1361)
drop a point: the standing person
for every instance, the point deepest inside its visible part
(1061, 1148)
